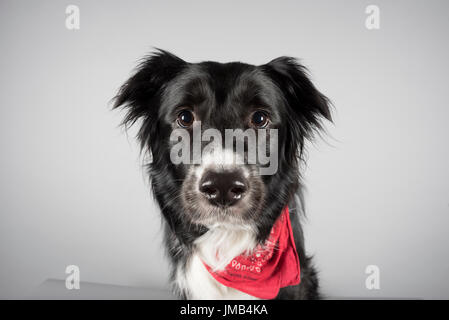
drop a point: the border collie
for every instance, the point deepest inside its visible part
(230, 231)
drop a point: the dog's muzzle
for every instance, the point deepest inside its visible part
(224, 188)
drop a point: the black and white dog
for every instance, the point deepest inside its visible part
(215, 206)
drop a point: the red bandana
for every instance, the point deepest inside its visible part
(270, 267)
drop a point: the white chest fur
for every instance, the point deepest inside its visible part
(216, 248)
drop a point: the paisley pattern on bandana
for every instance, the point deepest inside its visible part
(271, 266)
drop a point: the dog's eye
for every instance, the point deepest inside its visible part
(185, 118)
(259, 119)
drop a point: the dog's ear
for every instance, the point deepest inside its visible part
(306, 105)
(140, 95)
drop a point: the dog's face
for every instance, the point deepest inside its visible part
(276, 102)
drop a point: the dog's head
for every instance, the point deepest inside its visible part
(193, 118)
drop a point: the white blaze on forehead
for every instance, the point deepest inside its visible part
(220, 157)
(221, 160)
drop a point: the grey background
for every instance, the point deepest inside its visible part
(72, 190)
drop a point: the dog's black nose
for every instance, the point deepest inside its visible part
(223, 188)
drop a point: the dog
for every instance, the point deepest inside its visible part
(215, 211)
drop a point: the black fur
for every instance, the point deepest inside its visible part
(163, 81)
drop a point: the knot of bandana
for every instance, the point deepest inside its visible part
(271, 266)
